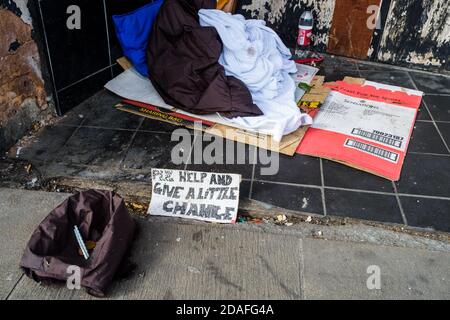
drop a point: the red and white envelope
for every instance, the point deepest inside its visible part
(367, 127)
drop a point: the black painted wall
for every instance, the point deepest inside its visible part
(414, 33)
(283, 17)
(79, 61)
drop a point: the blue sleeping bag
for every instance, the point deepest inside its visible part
(133, 31)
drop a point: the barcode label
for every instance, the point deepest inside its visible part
(377, 137)
(382, 153)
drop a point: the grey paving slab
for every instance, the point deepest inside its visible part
(20, 213)
(178, 261)
(339, 270)
(182, 260)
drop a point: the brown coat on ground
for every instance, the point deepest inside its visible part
(183, 63)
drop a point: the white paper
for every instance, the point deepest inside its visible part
(305, 73)
(204, 196)
(132, 86)
(379, 122)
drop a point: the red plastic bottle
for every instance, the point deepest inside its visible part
(304, 49)
(305, 26)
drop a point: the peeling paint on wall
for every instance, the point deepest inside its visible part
(18, 7)
(437, 16)
(413, 33)
(20, 75)
(249, 9)
(283, 16)
(23, 96)
(416, 32)
(25, 16)
(426, 59)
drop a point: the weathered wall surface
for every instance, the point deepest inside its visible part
(413, 33)
(283, 16)
(350, 34)
(417, 32)
(22, 94)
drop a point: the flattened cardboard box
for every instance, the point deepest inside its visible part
(288, 145)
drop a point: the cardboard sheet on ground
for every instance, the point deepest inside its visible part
(367, 127)
(143, 99)
(205, 196)
(287, 146)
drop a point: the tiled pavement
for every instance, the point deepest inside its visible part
(95, 140)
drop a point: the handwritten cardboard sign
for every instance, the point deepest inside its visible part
(205, 196)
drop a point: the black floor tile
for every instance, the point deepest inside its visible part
(337, 73)
(79, 92)
(427, 213)
(60, 169)
(109, 170)
(425, 175)
(366, 206)
(426, 139)
(116, 68)
(92, 146)
(154, 150)
(135, 175)
(160, 126)
(338, 62)
(367, 66)
(238, 159)
(341, 176)
(395, 78)
(431, 83)
(244, 191)
(444, 128)
(423, 113)
(100, 111)
(296, 198)
(78, 114)
(439, 107)
(71, 118)
(48, 142)
(298, 169)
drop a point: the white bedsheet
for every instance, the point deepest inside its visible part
(132, 86)
(256, 55)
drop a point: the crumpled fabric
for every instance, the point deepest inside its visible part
(255, 54)
(183, 64)
(101, 217)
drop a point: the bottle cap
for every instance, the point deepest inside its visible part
(306, 19)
